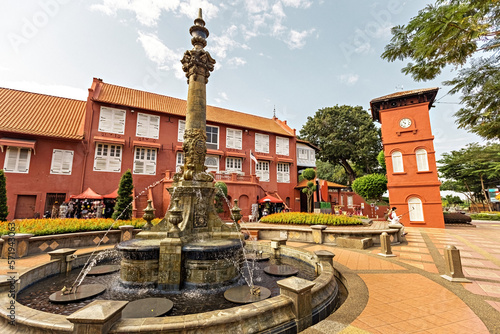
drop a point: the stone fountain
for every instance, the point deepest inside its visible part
(191, 246)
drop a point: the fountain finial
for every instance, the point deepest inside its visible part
(199, 32)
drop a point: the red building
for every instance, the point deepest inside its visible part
(412, 176)
(54, 147)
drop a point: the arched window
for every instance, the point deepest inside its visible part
(415, 209)
(397, 162)
(422, 163)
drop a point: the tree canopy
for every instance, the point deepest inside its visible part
(471, 170)
(347, 136)
(371, 187)
(309, 174)
(458, 33)
(123, 207)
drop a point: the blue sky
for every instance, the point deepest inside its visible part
(296, 56)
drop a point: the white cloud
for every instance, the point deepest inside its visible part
(297, 3)
(223, 97)
(146, 13)
(296, 39)
(190, 9)
(236, 61)
(160, 54)
(48, 89)
(349, 79)
(220, 45)
(256, 6)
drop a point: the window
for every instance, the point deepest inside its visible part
(415, 209)
(397, 162)
(350, 202)
(262, 171)
(233, 164)
(62, 162)
(282, 146)
(108, 158)
(112, 120)
(422, 163)
(148, 126)
(261, 143)
(212, 137)
(17, 160)
(180, 131)
(179, 161)
(212, 163)
(303, 154)
(145, 161)
(283, 172)
(234, 138)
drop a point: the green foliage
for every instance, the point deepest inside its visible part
(485, 216)
(371, 187)
(68, 225)
(4, 209)
(330, 172)
(123, 207)
(469, 169)
(309, 174)
(452, 33)
(347, 137)
(220, 196)
(381, 160)
(302, 218)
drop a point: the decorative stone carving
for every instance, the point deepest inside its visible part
(197, 62)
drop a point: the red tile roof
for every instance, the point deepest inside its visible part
(112, 94)
(43, 115)
(303, 184)
(403, 94)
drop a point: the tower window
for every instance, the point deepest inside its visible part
(397, 162)
(422, 162)
(415, 209)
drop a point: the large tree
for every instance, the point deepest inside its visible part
(347, 136)
(472, 170)
(371, 187)
(457, 33)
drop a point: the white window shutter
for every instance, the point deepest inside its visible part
(180, 133)
(238, 139)
(138, 167)
(286, 146)
(57, 160)
(67, 162)
(154, 126)
(100, 164)
(115, 164)
(119, 121)
(229, 138)
(278, 145)
(105, 120)
(22, 165)
(142, 125)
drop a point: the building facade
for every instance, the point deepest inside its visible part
(412, 176)
(54, 147)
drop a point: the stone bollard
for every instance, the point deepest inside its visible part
(385, 243)
(317, 233)
(276, 246)
(299, 290)
(16, 245)
(127, 232)
(326, 256)
(453, 265)
(65, 256)
(97, 317)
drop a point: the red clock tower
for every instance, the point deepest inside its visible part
(412, 177)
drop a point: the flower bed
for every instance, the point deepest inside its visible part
(302, 218)
(485, 216)
(67, 225)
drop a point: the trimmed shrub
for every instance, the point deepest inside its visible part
(456, 218)
(4, 209)
(485, 216)
(302, 218)
(68, 225)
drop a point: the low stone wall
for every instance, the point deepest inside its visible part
(313, 234)
(47, 243)
(274, 315)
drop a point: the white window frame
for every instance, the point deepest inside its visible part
(148, 126)
(397, 162)
(211, 145)
(234, 138)
(234, 164)
(14, 162)
(212, 167)
(350, 201)
(303, 153)
(283, 172)
(112, 120)
(282, 146)
(180, 130)
(422, 161)
(110, 155)
(261, 143)
(62, 162)
(415, 209)
(262, 171)
(145, 159)
(179, 161)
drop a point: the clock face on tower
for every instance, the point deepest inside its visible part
(405, 123)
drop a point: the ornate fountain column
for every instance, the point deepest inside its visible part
(197, 63)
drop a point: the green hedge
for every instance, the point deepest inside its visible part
(456, 218)
(67, 225)
(302, 218)
(485, 216)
